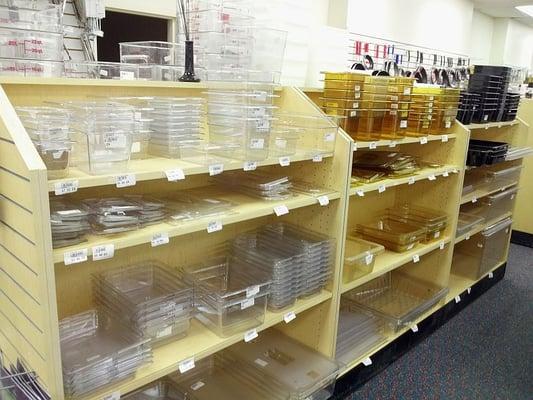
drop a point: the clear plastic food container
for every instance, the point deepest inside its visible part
(467, 223)
(284, 143)
(30, 44)
(101, 70)
(359, 257)
(504, 176)
(394, 235)
(56, 157)
(30, 68)
(230, 294)
(31, 16)
(433, 221)
(397, 298)
(497, 205)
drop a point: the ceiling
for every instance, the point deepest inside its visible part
(504, 9)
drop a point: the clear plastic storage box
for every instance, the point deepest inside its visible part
(359, 257)
(468, 222)
(30, 68)
(30, 44)
(433, 221)
(499, 204)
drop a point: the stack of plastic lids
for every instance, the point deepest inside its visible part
(386, 162)
(394, 235)
(230, 294)
(359, 332)
(148, 297)
(397, 298)
(192, 204)
(263, 185)
(103, 133)
(97, 351)
(433, 221)
(272, 367)
(176, 125)
(510, 107)
(298, 262)
(69, 222)
(32, 39)
(49, 129)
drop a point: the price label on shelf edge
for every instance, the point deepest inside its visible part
(61, 188)
(174, 175)
(360, 192)
(416, 258)
(317, 158)
(284, 161)
(250, 335)
(186, 365)
(367, 362)
(103, 252)
(216, 169)
(128, 180)
(290, 316)
(75, 256)
(414, 328)
(281, 210)
(381, 188)
(250, 166)
(214, 226)
(323, 200)
(160, 239)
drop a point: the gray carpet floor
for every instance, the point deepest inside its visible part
(485, 352)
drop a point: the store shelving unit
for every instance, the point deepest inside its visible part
(37, 288)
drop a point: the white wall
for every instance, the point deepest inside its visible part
(519, 45)
(481, 38)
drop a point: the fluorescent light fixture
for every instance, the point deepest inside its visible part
(526, 10)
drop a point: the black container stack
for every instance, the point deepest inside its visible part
(512, 101)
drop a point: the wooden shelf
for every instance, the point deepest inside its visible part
(423, 174)
(154, 168)
(390, 260)
(481, 227)
(492, 125)
(479, 194)
(199, 343)
(459, 284)
(406, 140)
(247, 208)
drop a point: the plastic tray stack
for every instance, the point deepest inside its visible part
(263, 185)
(510, 107)
(176, 126)
(298, 262)
(97, 351)
(273, 367)
(368, 107)
(31, 40)
(49, 130)
(468, 222)
(69, 222)
(434, 222)
(484, 152)
(384, 163)
(394, 235)
(433, 110)
(397, 298)
(230, 294)
(468, 106)
(359, 332)
(148, 298)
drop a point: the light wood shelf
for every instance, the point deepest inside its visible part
(460, 284)
(481, 228)
(392, 144)
(491, 125)
(479, 194)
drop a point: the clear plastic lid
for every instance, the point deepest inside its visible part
(359, 251)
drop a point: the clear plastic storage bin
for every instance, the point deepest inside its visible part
(499, 204)
(394, 235)
(230, 294)
(31, 16)
(359, 257)
(30, 68)
(397, 298)
(29, 44)
(503, 177)
(101, 70)
(467, 223)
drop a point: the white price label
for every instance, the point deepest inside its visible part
(445, 138)
(112, 396)
(115, 141)
(250, 335)
(252, 290)
(394, 98)
(455, 171)
(467, 237)
(136, 147)
(257, 144)
(416, 258)
(357, 88)
(423, 140)
(357, 96)
(411, 246)
(186, 365)
(75, 256)
(247, 303)
(123, 181)
(414, 328)
(103, 252)
(394, 106)
(403, 124)
(329, 137)
(393, 112)
(469, 290)
(164, 332)
(214, 226)
(411, 180)
(445, 174)
(393, 143)
(369, 258)
(323, 200)
(448, 124)
(250, 166)
(197, 385)
(381, 188)
(262, 124)
(258, 112)
(284, 161)
(290, 316)
(457, 299)
(407, 91)
(355, 146)
(441, 245)
(216, 169)
(353, 113)
(360, 192)
(432, 177)
(436, 235)
(61, 188)
(355, 105)
(281, 210)
(367, 362)
(262, 363)
(127, 75)
(373, 145)
(160, 239)
(174, 175)
(491, 275)
(474, 200)
(317, 158)
(103, 72)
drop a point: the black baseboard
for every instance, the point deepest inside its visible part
(522, 238)
(386, 356)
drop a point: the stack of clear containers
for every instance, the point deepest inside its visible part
(49, 129)
(299, 262)
(31, 39)
(148, 298)
(433, 221)
(177, 126)
(230, 294)
(394, 235)
(272, 187)
(359, 331)
(273, 367)
(96, 351)
(69, 222)
(103, 133)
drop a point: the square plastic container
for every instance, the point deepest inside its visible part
(31, 16)
(397, 298)
(101, 70)
(394, 235)
(30, 68)
(497, 205)
(467, 223)
(359, 257)
(503, 177)
(149, 52)
(474, 258)
(228, 297)
(31, 44)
